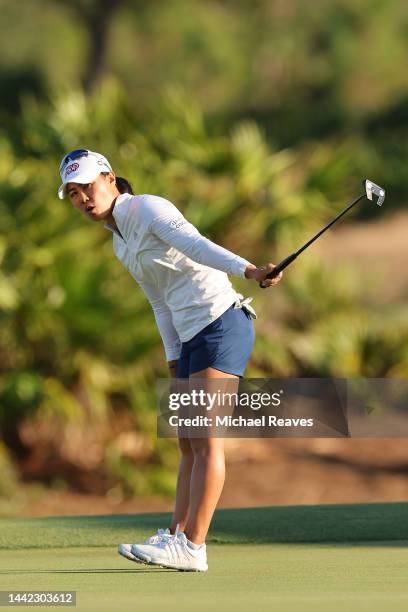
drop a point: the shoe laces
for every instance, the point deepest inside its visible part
(162, 534)
(171, 539)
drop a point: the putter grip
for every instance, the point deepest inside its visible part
(281, 266)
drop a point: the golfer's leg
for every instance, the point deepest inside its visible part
(208, 473)
(207, 481)
(183, 486)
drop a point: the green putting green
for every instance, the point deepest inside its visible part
(292, 558)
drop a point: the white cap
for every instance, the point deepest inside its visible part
(81, 166)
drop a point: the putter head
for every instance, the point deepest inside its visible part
(374, 192)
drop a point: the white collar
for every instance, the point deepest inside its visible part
(109, 227)
(119, 199)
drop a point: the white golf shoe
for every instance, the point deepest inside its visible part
(175, 552)
(126, 549)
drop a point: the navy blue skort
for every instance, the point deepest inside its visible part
(225, 344)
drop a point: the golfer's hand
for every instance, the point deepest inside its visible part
(174, 382)
(173, 365)
(260, 274)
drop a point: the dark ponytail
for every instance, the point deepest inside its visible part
(123, 185)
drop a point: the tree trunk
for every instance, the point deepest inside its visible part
(96, 15)
(98, 21)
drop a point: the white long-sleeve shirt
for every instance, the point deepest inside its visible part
(183, 274)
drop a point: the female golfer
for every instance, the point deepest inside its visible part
(206, 328)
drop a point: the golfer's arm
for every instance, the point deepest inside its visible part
(185, 237)
(162, 314)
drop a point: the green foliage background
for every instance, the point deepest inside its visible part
(258, 120)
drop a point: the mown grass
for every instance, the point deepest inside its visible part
(292, 558)
(280, 524)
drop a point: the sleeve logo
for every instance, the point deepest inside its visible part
(176, 223)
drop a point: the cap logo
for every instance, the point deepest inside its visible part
(71, 168)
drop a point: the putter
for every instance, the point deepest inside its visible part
(373, 192)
